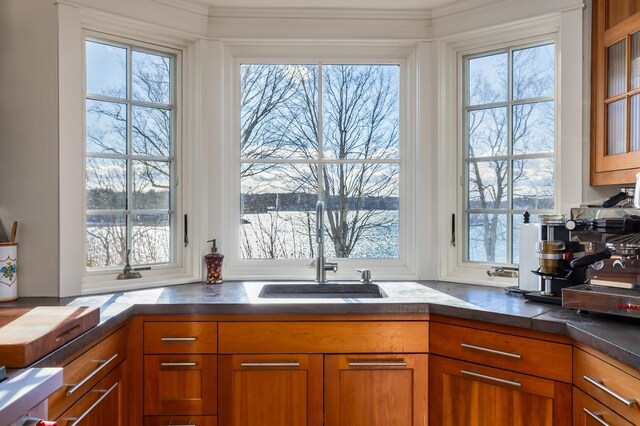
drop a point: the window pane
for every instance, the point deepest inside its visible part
(106, 127)
(106, 240)
(106, 184)
(151, 78)
(361, 203)
(488, 182)
(151, 239)
(533, 128)
(534, 71)
(635, 123)
(151, 185)
(488, 132)
(487, 237)
(278, 210)
(151, 131)
(617, 132)
(106, 69)
(361, 111)
(487, 79)
(635, 61)
(278, 112)
(533, 184)
(616, 73)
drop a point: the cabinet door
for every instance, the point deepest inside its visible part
(467, 394)
(590, 412)
(270, 390)
(615, 106)
(102, 405)
(376, 390)
(180, 384)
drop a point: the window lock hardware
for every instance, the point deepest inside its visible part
(129, 273)
(503, 271)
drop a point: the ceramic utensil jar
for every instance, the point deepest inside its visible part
(8, 271)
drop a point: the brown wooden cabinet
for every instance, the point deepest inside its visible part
(463, 393)
(102, 405)
(615, 92)
(376, 390)
(590, 412)
(281, 389)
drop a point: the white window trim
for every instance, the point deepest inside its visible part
(568, 167)
(255, 52)
(75, 25)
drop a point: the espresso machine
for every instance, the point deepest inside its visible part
(613, 288)
(563, 261)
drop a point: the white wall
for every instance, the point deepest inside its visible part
(29, 139)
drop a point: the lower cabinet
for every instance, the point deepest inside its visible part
(102, 405)
(282, 389)
(180, 421)
(183, 384)
(463, 393)
(589, 412)
(376, 390)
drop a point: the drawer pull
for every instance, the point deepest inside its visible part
(491, 351)
(178, 364)
(629, 402)
(103, 364)
(597, 416)
(105, 393)
(269, 364)
(178, 339)
(495, 379)
(377, 364)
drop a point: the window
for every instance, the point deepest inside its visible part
(509, 146)
(310, 132)
(130, 155)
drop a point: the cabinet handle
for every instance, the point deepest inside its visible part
(629, 402)
(377, 364)
(491, 351)
(495, 379)
(178, 364)
(105, 393)
(178, 339)
(103, 364)
(269, 364)
(597, 416)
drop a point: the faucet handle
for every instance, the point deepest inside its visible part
(365, 276)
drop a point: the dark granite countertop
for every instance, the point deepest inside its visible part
(615, 336)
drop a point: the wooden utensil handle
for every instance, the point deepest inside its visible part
(14, 229)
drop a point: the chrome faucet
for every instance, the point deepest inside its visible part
(322, 266)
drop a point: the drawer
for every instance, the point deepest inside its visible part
(608, 384)
(180, 421)
(83, 372)
(180, 337)
(520, 354)
(588, 411)
(324, 337)
(101, 405)
(180, 384)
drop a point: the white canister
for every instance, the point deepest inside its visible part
(8, 271)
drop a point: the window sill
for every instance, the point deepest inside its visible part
(109, 284)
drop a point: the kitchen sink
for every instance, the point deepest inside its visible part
(322, 291)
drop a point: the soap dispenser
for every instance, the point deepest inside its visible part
(214, 264)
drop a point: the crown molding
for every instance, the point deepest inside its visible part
(320, 13)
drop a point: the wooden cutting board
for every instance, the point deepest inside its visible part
(28, 334)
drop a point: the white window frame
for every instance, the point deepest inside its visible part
(463, 58)
(175, 193)
(568, 129)
(403, 267)
(76, 26)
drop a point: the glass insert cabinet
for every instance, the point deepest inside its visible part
(615, 92)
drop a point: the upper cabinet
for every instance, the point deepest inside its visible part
(615, 92)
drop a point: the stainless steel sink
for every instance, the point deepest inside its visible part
(322, 291)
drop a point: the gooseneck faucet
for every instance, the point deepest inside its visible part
(322, 266)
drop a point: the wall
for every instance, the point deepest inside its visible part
(29, 139)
